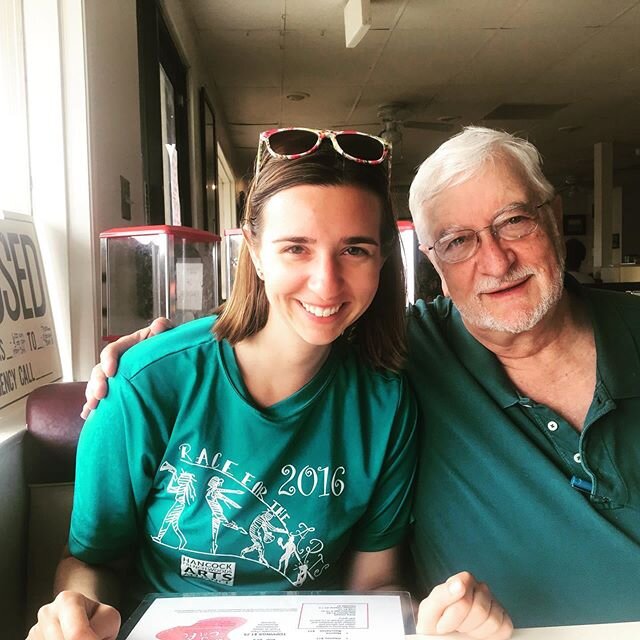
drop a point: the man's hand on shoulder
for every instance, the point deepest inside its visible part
(97, 387)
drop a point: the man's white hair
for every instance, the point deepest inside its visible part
(462, 157)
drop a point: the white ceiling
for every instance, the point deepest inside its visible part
(443, 58)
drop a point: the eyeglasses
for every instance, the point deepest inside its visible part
(512, 223)
(296, 142)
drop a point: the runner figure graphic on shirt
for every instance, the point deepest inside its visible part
(183, 487)
(215, 496)
(290, 547)
(261, 531)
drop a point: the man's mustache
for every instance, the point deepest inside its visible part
(488, 283)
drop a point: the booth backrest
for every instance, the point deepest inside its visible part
(53, 427)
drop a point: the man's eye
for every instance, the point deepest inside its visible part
(456, 242)
(515, 220)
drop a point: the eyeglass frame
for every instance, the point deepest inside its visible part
(323, 134)
(532, 209)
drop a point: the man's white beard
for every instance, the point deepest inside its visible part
(476, 315)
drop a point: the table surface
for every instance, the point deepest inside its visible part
(619, 631)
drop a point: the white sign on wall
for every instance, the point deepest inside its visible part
(29, 354)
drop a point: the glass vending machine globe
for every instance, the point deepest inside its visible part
(157, 271)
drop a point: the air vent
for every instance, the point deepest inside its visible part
(524, 111)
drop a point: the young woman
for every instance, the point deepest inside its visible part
(271, 447)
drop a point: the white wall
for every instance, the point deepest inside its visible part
(114, 110)
(114, 119)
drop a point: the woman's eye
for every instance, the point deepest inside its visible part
(356, 251)
(295, 249)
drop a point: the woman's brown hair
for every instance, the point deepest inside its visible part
(379, 334)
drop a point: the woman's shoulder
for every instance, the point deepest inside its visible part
(354, 370)
(167, 348)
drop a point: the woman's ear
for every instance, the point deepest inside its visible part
(253, 252)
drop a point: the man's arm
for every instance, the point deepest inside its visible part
(97, 386)
(460, 604)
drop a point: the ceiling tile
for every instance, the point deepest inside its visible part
(518, 55)
(600, 59)
(568, 13)
(326, 108)
(328, 14)
(238, 58)
(236, 14)
(252, 104)
(433, 56)
(629, 18)
(317, 59)
(438, 14)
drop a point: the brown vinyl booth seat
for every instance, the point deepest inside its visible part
(53, 427)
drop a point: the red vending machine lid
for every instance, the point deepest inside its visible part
(186, 233)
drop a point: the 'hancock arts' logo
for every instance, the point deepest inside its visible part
(220, 572)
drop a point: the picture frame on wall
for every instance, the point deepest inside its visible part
(574, 225)
(209, 158)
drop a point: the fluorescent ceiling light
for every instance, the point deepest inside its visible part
(357, 20)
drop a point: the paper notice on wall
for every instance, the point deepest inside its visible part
(29, 354)
(189, 285)
(176, 216)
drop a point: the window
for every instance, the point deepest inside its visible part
(226, 194)
(163, 105)
(15, 178)
(208, 152)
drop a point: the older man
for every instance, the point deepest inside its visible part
(529, 388)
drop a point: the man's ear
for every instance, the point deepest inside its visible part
(443, 283)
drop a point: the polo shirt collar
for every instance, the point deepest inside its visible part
(481, 363)
(618, 359)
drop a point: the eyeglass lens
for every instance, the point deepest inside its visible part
(292, 142)
(361, 147)
(462, 245)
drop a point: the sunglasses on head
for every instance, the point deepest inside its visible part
(296, 142)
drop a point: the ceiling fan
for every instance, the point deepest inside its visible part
(394, 117)
(573, 185)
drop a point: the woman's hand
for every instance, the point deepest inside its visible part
(97, 386)
(462, 604)
(72, 616)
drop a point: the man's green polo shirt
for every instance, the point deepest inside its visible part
(494, 493)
